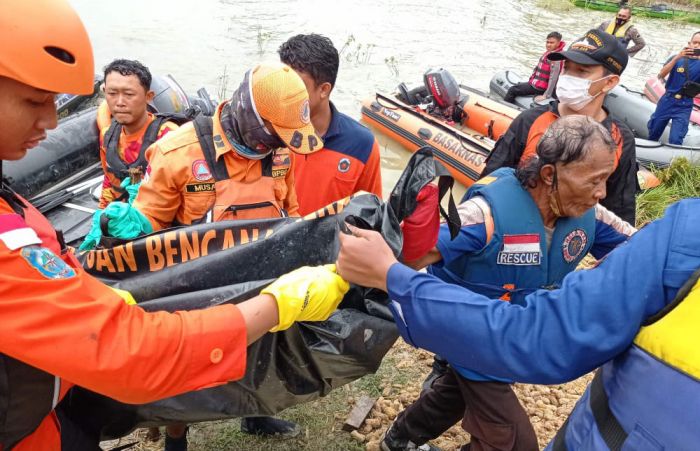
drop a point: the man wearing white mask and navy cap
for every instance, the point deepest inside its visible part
(592, 67)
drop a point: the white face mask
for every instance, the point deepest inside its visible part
(573, 91)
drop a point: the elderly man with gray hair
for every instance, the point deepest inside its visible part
(522, 230)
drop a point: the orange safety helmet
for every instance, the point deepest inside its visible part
(45, 45)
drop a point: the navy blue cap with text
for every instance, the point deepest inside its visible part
(595, 48)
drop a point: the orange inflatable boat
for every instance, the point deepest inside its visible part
(463, 152)
(462, 124)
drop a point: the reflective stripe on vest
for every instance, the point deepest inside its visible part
(28, 394)
(673, 335)
(234, 199)
(655, 383)
(542, 123)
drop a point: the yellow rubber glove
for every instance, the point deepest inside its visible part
(128, 298)
(310, 293)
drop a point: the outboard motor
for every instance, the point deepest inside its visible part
(443, 87)
(415, 96)
(170, 97)
(445, 94)
(204, 102)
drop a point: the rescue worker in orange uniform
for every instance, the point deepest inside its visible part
(63, 327)
(126, 126)
(349, 160)
(236, 165)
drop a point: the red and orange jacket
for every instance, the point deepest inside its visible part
(128, 149)
(348, 163)
(180, 188)
(541, 75)
(63, 327)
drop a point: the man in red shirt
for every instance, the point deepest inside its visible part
(349, 160)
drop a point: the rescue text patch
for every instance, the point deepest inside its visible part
(520, 250)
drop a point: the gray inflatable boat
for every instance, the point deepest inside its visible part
(628, 106)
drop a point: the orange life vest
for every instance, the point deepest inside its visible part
(29, 395)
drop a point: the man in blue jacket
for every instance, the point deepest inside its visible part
(677, 102)
(636, 314)
(521, 230)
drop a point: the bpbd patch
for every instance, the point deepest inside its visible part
(47, 263)
(280, 163)
(520, 250)
(200, 170)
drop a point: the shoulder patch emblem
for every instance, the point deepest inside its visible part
(47, 263)
(200, 170)
(344, 165)
(574, 244)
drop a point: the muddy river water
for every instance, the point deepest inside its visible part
(212, 43)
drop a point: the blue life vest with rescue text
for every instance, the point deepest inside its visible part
(516, 261)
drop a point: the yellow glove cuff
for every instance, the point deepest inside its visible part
(125, 295)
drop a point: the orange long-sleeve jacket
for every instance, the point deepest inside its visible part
(348, 163)
(179, 188)
(61, 321)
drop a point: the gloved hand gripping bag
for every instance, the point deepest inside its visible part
(230, 261)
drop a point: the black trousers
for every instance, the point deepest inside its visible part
(521, 89)
(489, 411)
(74, 435)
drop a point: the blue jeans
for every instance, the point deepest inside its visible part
(671, 109)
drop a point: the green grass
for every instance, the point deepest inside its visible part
(321, 420)
(678, 181)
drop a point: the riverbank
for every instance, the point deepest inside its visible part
(395, 385)
(687, 12)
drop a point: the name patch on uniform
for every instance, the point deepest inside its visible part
(520, 250)
(47, 263)
(200, 170)
(574, 244)
(199, 187)
(280, 163)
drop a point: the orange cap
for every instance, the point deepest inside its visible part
(45, 45)
(280, 96)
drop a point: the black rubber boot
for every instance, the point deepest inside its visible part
(270, 427)
(440, 366)
(393, 442)
(176, 444)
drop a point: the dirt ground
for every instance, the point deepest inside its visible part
(395, 385)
